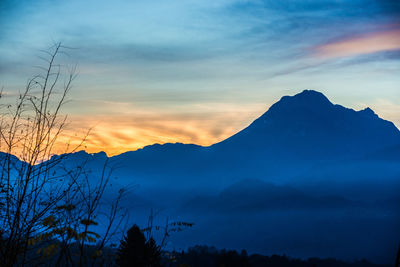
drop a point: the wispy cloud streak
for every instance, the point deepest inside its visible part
(358, 45)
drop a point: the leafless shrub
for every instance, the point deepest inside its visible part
(42, 199)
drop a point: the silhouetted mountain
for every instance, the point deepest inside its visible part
(308, 125)
(303, 126)
(296, 133)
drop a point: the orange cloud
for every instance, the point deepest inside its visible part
(119, 133)
(388, 40)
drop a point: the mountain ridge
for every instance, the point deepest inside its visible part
(305, 118)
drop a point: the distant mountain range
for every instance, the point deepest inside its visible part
(307, 178)
(297, 130)
(303, 126)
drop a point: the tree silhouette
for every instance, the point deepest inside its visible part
(47, 205)
(136, 250)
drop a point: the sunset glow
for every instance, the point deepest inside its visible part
(198, 72)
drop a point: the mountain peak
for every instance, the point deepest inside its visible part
(308, 124)
(311, 93)
(368, 112)
(307, 100)
(308, 97)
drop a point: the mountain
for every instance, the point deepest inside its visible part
(295, 134)
(303, 127)
(302, 137)
(308, 125)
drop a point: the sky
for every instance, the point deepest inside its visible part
(199, 71)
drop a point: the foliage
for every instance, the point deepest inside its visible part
(166, 229)
(139, 247)
(136, 250)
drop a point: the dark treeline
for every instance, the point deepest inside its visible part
(141, 254)
(202, 256)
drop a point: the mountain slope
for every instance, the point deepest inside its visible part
(309, 125)
(288, 141)
(296, 137)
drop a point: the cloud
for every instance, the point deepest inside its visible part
(359, 45)
(127, 130)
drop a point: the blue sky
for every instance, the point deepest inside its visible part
(199, 71)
